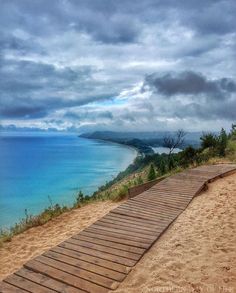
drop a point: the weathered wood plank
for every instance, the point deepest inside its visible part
(99, 254)
(91, 259)
(27, 285)
(110, 250)
(8, 288)
(46, 281)
(67, 278)
(86, 266)
(93, 239)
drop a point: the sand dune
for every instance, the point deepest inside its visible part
(197, 253)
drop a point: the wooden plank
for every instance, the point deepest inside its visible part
(157, 215)
(172, 193)
(109, 238)
(160, 201)
(155, 204)
(47, 282)
(127, 226)
(139, 215)
(133, 227)
(156, 208)
(27, 285)
(180, 185)
(147, 208)
(67, 278)
(173, 200)
(8, 288)
(93, 239)
(176, 191)
(167, 192)
(112, 233)
(99, 254)
(113, 251)
(145, 223)
(77, 272)
(143, 238)
(129, 220)
(120, 237)
(86, 266)
(91, 259)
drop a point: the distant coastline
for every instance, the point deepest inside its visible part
(140, 146)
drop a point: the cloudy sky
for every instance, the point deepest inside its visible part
(118, 65)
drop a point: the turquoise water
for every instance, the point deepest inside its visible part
(37, 166)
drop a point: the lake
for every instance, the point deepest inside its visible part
(165, 150)
(36, 167)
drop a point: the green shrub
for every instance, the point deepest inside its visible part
(208, 140)
(152, 173)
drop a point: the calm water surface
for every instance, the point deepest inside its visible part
(35, 167)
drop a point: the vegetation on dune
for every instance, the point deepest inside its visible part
(213, 148)
(151, 173)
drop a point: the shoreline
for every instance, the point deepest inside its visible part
(138, 153)
(73, 195)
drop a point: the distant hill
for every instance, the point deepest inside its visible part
(154, 139)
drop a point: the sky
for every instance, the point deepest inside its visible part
(85, 65)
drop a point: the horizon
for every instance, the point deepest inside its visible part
(83, 66)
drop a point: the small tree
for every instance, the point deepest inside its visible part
(151, 173)
(208, 140)
(162, 167)
(187, 156)
(79, 198)
(232, 134)
(172, 142)
(222, 142)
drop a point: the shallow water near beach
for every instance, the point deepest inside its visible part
(37, 169)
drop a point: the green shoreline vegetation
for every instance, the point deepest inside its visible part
(214, 148)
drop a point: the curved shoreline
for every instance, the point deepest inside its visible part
(116, 143)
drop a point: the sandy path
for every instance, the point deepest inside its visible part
(197, 253)
(39, 239)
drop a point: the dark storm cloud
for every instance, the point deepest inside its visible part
(207, 111)
(190, 83)
(33, 90)
(114, 21)
(58, 56)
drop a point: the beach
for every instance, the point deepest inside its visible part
(196, 254)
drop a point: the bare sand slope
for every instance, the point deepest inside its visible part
(197, 253)
(39, 239)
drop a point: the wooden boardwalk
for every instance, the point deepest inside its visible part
(100, 257)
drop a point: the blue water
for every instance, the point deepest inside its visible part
(35, 167)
